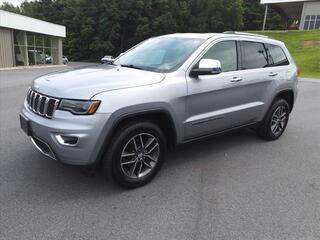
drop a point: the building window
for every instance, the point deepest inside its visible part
(20, 55)
(312, 22)
(34, 49)
(20, 50)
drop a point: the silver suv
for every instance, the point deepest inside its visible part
(165, 91)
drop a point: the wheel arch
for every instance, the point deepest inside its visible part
(287, 95)
(160, 116)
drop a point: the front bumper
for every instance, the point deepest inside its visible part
(47, 134)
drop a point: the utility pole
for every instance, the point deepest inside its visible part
(265, 17)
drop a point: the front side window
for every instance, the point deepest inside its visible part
(226, 53)
(254, 55)
(162, 54)
(276, 55)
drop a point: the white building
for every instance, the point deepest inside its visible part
(307, 12)
(27, 41)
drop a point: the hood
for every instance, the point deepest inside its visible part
(84, 83)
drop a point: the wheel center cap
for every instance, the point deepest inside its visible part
(139, 155)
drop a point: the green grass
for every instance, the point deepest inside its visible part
(307, 59)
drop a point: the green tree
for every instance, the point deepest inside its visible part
(10, 8)
(254, 14)
(99, 27)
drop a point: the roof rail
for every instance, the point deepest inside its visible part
(247, 34)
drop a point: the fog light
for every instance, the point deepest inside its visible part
(67, 140)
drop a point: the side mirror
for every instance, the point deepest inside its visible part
(207, 67)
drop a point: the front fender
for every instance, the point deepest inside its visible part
(129, 112)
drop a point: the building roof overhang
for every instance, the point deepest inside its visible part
(289, 8)
(24, 23)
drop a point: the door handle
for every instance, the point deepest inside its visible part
(236, 79)
(273, 74)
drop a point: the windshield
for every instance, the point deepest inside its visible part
(160, 54)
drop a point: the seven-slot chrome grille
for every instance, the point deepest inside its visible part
(41, 104)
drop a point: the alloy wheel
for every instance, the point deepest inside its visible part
(140, 155)
(278, 120)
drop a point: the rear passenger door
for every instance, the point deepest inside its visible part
(259, 77)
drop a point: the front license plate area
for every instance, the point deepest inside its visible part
(25, 125)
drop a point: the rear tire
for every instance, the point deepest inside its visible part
(276, 120)
(135, 154)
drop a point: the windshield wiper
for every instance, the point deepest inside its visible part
(130, 66)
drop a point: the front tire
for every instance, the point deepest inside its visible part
(136, 154)
(276, 120)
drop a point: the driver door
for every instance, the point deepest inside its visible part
(220, 101)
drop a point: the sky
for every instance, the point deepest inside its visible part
(14, 2)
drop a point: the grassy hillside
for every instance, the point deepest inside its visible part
(304, 47)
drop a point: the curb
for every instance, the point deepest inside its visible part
(313, 80)
(32, 67)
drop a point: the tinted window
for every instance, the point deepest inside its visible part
(254, 55)
(226, 53)
(276, 55)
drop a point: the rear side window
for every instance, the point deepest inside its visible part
(226, 53)
(254, 55)
(276, 55)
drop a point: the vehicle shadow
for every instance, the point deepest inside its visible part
(63, 183)
(212, 146)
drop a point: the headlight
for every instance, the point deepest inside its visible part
(79, 107)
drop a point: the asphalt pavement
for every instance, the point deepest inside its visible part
(234, 186)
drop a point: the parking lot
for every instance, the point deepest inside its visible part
(234, 186)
